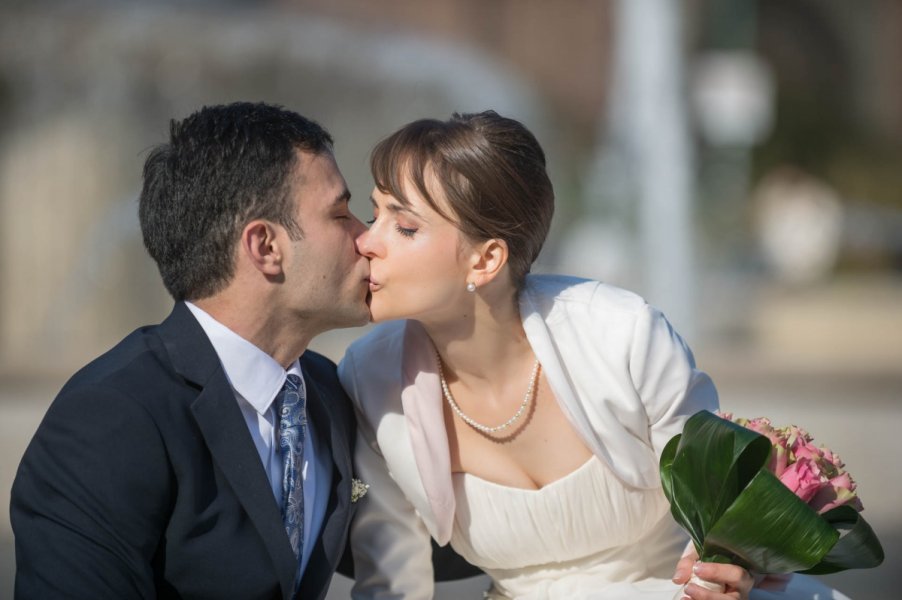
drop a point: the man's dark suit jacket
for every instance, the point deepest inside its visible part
(143, 481)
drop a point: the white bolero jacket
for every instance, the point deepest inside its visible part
(623, 377)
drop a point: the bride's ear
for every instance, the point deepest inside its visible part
(489, 259)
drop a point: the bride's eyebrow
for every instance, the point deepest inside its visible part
(397, 207)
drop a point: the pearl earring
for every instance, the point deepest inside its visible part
(471, 287)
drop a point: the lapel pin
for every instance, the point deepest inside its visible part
(358, 489)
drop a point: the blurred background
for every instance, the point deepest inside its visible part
(737, 162)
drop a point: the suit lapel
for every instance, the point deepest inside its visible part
(227, 437)
(225, 432)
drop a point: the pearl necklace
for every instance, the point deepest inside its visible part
(530, 393)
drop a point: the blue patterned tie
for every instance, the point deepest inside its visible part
(292, 425)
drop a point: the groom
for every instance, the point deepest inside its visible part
(157, 471)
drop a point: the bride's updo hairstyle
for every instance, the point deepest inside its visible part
(491, 174)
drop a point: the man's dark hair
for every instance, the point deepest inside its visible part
(223, 167)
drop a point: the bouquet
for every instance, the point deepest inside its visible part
(765, 498)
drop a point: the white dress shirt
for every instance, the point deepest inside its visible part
(256, 379)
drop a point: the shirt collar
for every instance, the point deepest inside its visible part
(253, 374)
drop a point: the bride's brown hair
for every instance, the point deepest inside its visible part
(491, 171)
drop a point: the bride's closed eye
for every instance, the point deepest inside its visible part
(406, 231)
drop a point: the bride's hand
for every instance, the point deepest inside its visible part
(737, 580)
(684, 566)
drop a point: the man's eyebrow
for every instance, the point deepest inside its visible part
(343, 198)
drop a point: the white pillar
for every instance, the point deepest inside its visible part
(650, 71)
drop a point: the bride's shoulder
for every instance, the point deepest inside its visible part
(380, 340)
(564, 292)
(374, 351)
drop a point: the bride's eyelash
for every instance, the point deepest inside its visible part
(371, 221)
(406, 232)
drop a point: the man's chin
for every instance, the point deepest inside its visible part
(357, 320)
(356, 315)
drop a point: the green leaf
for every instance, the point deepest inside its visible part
(713, 461)
(666, 464)
(769, 530)
(857, 548)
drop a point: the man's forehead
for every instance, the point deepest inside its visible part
(316, 175)
(306, 158)
(318, 167)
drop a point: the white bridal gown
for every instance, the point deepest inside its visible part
(585, 536)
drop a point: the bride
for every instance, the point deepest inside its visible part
(517, 417)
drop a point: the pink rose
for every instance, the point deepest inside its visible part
(834, 465)
(803, 478)
(840, 491)
(806, 449)
(760, 424)
(796, 437)
(815, 475)
(780, 454)
(779, 458)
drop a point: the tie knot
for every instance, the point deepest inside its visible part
(293, 382)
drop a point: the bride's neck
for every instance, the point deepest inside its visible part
(486, 345)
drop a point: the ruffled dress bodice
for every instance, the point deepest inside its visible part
(587, 536)
(582, 536)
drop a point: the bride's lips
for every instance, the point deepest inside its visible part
(375, 286)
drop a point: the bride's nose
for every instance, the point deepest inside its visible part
(367, 243)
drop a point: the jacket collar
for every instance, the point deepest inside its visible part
(421, 400)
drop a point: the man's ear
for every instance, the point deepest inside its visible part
(260, 246)
(489, 259)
